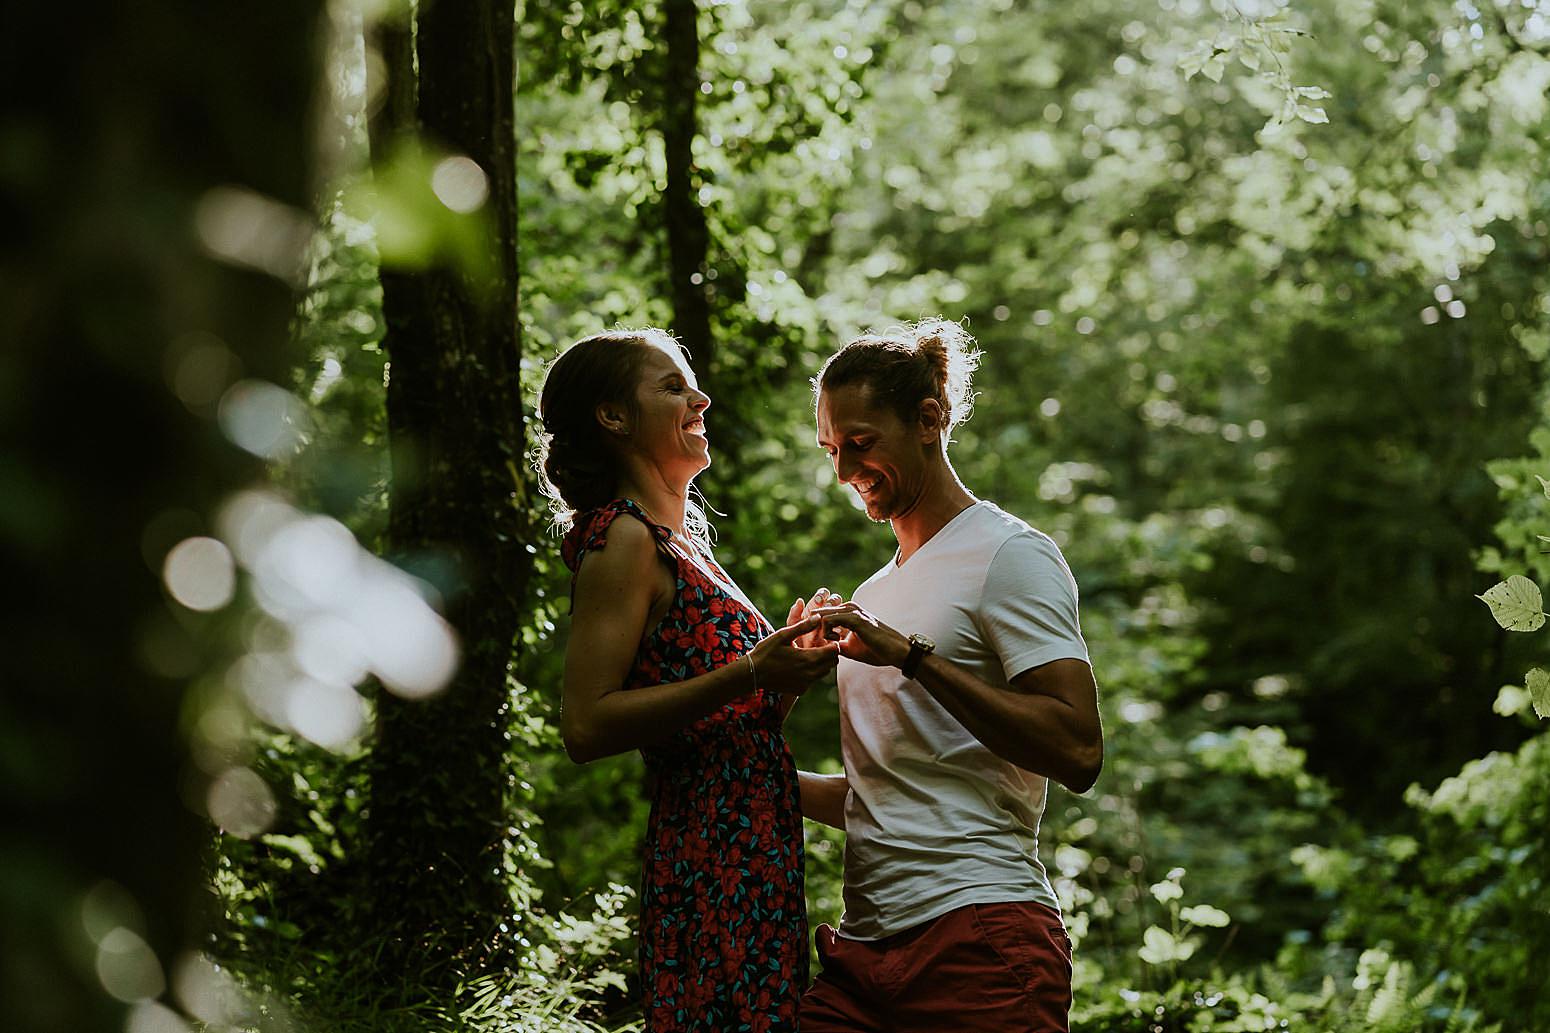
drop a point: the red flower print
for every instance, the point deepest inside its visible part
(725, 829)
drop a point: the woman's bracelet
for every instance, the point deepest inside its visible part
(753, 672)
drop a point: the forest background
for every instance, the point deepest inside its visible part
(1265, 307)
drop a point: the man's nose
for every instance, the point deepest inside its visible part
(844, 467)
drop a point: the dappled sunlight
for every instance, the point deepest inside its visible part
(240, 803)
(460, 184)
(127, 966)
(200, 573)
(345, 613)
(262, 418)
(248, 229)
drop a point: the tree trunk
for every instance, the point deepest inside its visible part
(118, 121)
(688, 236)
(458, 503)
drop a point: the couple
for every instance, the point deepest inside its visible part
(964, 684)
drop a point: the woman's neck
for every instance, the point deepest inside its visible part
(665, 503)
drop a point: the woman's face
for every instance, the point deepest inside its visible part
(669, 424)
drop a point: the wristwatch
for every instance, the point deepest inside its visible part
(920, 648)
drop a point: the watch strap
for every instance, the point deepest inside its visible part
(920, 648)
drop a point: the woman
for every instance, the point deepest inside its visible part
(668, 656)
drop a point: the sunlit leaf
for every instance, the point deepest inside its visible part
(1516, 604)
(1160, 947)
(1539, 691)
(1545, 487)
(1311, 114)
(1205, 915)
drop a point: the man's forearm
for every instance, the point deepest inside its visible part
(1038, 732)
(823, 797)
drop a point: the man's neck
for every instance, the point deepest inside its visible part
(944, 498)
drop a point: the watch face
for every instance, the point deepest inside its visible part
(923, 642)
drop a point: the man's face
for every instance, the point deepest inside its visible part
(874, 452)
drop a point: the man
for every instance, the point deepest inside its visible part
(964, 686)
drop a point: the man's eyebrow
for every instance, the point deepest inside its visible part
(850, 435)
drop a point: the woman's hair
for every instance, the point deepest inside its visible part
(934, 358)
(578, 466)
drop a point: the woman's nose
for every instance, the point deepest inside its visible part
(700, 401)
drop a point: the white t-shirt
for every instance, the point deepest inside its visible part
(933, 819)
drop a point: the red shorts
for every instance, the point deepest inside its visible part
(996, 968)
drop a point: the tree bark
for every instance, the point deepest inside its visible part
(688, 235)
(458, 501)
(118, 121)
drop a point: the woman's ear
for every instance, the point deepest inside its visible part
(612, 418)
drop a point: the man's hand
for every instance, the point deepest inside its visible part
(862, 636)
(1046, 722)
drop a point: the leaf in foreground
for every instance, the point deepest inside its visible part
(1516, 604)
(1539, 691)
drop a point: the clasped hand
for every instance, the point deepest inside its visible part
(858, 634)
(795, 656)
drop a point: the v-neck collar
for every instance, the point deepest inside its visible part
(895, 565)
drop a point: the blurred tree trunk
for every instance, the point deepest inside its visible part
(688, 235)
(440, 768)
(119, 120)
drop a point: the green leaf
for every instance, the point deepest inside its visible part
(1205, 915)
(1516, 604)
(1539, 691)
(1214, 66)
(1166, 891)
(1545, 485)
(1311, 114)
(1191, 63)
(1161, 947)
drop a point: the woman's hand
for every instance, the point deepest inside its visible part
(861, 636)
(800, 609)
(782, 663)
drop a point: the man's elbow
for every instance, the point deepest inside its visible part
(1086, 766)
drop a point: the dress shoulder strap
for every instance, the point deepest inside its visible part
(590, 531)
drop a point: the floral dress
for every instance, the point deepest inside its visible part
(723, 925)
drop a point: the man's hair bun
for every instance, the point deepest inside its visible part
(934, 358)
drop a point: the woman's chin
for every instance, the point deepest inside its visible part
(700, 461)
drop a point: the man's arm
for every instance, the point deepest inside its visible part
(823, 797)
(1046, 723)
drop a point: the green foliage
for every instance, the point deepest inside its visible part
(1463, 896)
(1250, 340)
